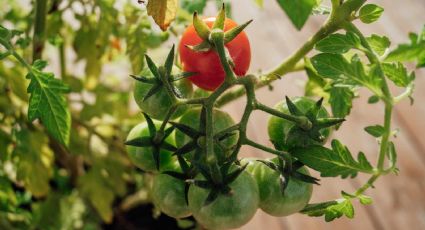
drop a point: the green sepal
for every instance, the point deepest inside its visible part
(169, 62)
(204, 46)
(186, 148)
(220, 19)
(235, 31)
(201, 27)
(153, 90)
(144, 79)
(140, 142)
(151, 125)
(229, 178)
(187, 130)
(292, 108)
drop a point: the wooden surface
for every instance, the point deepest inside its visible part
(399, 201)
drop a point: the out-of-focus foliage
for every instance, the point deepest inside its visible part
(63, 164)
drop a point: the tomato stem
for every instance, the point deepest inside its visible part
(39, 29)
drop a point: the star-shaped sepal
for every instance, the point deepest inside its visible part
(204, 31)
(198, 136)
(215, 189)
(301, 136)
(288, 172)
(156, 140)
(162, 76)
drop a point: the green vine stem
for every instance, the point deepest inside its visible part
(39, 28)
(339, 15)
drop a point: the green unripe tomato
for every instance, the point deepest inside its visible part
(272, 201)
(142, 157)
(278, 128)
(222, 120)
(157, 105)
(227, 211)
(168, 194)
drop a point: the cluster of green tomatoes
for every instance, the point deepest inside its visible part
(173, 151)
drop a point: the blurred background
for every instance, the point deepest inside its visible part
(92, 185)
(399, 202)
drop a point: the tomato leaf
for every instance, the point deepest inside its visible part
(376, 130)
(341, 101)
(298, 11)
(331, 210)
(345, 73)
(338, 43)
(48, 103)
(378, 44)
(413, 51)
(397, 73)
(370, 13)
(163, 12)
(337, 161)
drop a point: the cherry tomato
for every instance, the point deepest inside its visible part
(222, 120)
(142, 157)
(227, 211)
(168, 193)
(278, 128)
(207, 64)
(157, 105)
(272, 201)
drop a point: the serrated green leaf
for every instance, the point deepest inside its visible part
(298, 11)
(343, 208)
(407, 52)
(338, 43)
(370, 13)
(48, 103)
(376, 130)
(337, 161)
(345, 73)
(341, 99)
(397, 73)
(331, 210)
(379, 44)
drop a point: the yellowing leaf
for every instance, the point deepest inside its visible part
(162, 11)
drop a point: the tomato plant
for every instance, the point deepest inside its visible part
(206, 64)
(285, 135)
(226, 211)
(192, 119)
(273, 200)
(75, 153)
(158, 104)
(143, 157)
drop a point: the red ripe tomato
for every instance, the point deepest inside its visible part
(207, 64)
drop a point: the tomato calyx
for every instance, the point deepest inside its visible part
(288, 172)
(205, 32)
(198, 142)
(300, 134)
(215, 189)
(162, 77)
(188, 173)
(156, 140)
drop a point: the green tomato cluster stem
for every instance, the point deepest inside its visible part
(340, 18)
